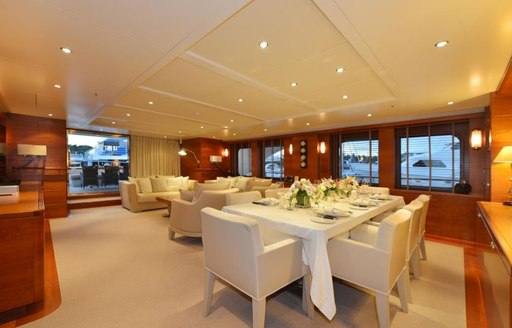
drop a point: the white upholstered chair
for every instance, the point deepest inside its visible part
(274, 193)
(378, 266)
(425, 199)
(242, 197)
(234, 251)
(379, 190)
(185, 217)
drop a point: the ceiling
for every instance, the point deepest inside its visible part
(197, 60)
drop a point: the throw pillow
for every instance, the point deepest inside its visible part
(158, 184)
(145, 185)
(241, 182)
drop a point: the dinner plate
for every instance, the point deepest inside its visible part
(323, 220)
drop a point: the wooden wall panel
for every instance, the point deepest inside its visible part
(387, 157)
(501, 123)
(204, 148)
(24, 129)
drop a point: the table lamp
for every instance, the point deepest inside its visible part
(505, 156)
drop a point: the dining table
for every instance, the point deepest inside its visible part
(315, 229)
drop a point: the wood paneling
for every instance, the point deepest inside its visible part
(204, 148)
(387, 157)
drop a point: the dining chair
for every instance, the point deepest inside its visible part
(234, 251)
(425, 199)
(377, 266)
(379, 190)
(242, 197)
(89, 176)
(110, 176)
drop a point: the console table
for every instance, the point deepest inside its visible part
(22, 249)
(496, 259)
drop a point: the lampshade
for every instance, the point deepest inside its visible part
(505, 155)
(182, 152)
(476, 139)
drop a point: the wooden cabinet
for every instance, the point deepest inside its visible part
(22, 251)
(495, 259)
(55, 199)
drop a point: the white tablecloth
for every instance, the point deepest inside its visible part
(298, 222)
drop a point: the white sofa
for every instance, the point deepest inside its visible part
(139, 194)
(247, 183)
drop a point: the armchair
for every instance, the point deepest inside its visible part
(235, 252)
(242, 197)
(185, 217)
(377, 266)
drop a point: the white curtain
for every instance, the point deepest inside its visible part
(154, 156)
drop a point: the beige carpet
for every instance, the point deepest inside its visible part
(118, 269)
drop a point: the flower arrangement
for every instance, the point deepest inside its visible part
(329, 187)
(302, 190)
(348, 184)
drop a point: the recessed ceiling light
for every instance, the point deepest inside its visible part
(344, 97)
(150, 102)
(450, 103)
(340, 70)
(113, 122)
(307, 123)
(57, 86)
(202, 127)
(265, 130)
(263, 44)
(179, 131)
(234, 133)
(369, 115)
(293, 84)
(128, 114)
(231, 121)
(50, 114)
(214, 137)
(165, 137)
(65, 50)
(441, 44)
(240, 100)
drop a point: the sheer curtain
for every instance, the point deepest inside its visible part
(154, 156)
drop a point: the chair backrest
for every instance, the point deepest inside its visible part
(200, 187)
(392, 237)
(231, 244)
(242, 197)
(274, 193)
(416, 208)
(425, 199)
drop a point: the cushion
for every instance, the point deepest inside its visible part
(241, 182)
(135, 180)
(158, 184)
(180, 182)
(208, 186)
(172, 188)
(187, 195)
(230, 180)
(145, 185)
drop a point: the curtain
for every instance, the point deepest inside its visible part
(154, 156)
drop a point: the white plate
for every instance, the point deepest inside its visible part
(322, 220)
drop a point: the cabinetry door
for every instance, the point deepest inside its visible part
(55, 199)
(495, 280)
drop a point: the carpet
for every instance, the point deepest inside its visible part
(118, 269)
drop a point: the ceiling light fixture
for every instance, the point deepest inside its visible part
(240, 100)
(344, 97)
(340, 70)
(150, 102)
(65, 50)
(369, 114)
(263, 44)
(50, 114)
(128, 114)
(307, 123)
(441, 44)
(450, 103)
(293, 84)
(57, 86)
(113, 122)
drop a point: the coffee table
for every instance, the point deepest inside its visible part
(168, 201)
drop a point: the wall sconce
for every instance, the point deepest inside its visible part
(476, 139)
(322, 147)
(225, 153)
(290, 149)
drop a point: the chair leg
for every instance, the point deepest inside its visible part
(404, 289)
(208, 292)
(307, 303)
(407, 287)
(382, 302)
(172, 233)
(423, 249)
(415, 262)
(258, 313)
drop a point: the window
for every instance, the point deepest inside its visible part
(358, 156)
(273, 155)
(432, 157)
(242, 159)
(96, 161)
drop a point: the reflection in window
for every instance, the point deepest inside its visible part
(273, 155)
(359, 156)
(242, 159)
(431, 156)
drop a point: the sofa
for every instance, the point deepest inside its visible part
(248, 183)
(139, 194)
